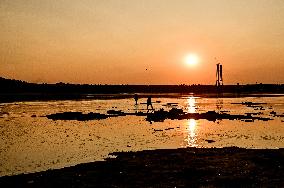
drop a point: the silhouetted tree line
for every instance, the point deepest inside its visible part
(21, 89)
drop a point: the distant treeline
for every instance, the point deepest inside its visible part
(17, 86)
(16, 90)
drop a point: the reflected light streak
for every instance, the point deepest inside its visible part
(191, 105)
(192, 135)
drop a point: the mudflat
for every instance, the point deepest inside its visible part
(184, 167)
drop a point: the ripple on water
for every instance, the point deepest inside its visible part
(31, 144)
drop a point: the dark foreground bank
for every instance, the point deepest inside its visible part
(189, 167)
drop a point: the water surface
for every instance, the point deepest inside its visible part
(30, 144)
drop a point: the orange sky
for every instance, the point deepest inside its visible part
(115, 41)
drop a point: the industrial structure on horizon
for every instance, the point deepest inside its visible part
(219, 74)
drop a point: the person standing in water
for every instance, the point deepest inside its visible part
(149, 103)
(136, 99)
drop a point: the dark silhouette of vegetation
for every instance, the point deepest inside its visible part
(16, 90)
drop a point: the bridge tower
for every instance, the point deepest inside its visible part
(219, 74)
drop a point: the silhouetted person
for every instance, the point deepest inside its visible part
(136, 99)
(149, 103)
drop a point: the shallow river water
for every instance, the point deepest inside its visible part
(30, 142)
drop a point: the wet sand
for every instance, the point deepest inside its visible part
(186, 167)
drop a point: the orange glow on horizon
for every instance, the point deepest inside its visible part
(114, 42)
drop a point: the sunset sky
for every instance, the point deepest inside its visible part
(142, 41)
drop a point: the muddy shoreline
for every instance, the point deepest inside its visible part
(185, 167)
(157, 116)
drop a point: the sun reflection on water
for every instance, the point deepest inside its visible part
(192, 134)
(191, 105)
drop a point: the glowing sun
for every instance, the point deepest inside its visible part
(191, 59)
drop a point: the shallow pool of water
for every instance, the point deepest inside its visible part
(30, 142)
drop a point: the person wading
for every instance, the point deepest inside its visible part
(136, 99)
(149, 104)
